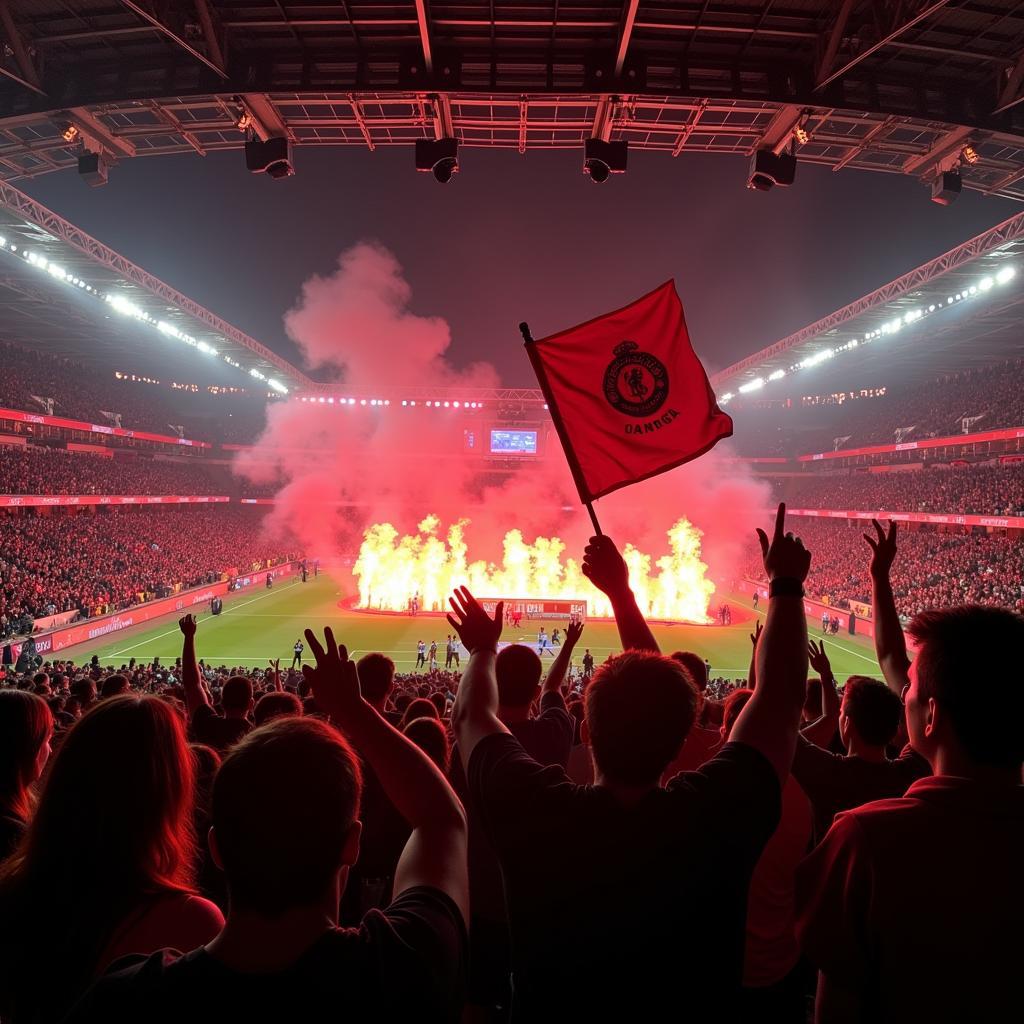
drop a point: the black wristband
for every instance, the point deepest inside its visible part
(785, 586)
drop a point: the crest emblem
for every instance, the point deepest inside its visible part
(635, 383)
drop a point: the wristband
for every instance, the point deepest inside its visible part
(785, 586)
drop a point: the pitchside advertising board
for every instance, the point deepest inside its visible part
(534, 608)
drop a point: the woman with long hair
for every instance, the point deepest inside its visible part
(106, 866)
(26, 727)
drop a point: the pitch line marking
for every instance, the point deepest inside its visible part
(170, 632)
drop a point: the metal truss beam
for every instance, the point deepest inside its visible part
(180, 42)
(946, 146)
(780, 130)
(29, 77)
(1012, 92)
(835, 38)
(423, 23)
(91, 127)
(26, 207)
(525, 396)
(625, 34)
(895, 31)
(267, 123)
(988, 241)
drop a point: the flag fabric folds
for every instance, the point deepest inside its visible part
(628, 396)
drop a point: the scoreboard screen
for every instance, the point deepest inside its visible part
(514, 442)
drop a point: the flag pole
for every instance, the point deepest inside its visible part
(524, 329)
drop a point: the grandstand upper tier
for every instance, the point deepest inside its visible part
(894, 88)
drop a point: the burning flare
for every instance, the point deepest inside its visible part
(392, 569)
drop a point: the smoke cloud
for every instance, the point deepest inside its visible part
(342, 468)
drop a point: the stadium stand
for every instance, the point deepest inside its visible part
(985, 490)
(935, 570)
(986, 398)
(110, 561)
(85, 394)
(33, 469)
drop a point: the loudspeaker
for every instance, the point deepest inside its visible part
(768, 169)
(272, 157)
(946, 187)
(92, 169)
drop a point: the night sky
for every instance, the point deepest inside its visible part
(523, 237)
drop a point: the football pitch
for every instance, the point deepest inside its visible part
(257, 626)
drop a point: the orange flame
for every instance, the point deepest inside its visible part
(392, 569)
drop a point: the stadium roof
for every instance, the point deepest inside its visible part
(894, 87)
(64, 292)
(962, 309)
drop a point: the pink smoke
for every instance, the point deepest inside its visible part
(343, 468)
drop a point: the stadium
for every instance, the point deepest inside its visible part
(270, 380)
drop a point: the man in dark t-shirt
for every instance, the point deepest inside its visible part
(285, 831)
(604, 883)
(869, 718)
(548, 740)
(223, 731)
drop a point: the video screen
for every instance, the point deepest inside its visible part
(514, 442)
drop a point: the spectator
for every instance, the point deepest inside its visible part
(217, 731)
(910, 908)
(286, 862)
(376, 681)
(432, 738)
(598, 883)
(26, 727)
(773, 980)
(275, 705)
(548, 740)
(106, 866)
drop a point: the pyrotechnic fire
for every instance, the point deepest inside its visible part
(392, 569)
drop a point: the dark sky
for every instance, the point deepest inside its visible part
(523, 237)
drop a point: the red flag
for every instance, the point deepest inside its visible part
(627, 394)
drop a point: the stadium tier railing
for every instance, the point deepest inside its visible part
(936, 518)
(17, 416)
(51, 500)
(56, 640)
(1006, 434)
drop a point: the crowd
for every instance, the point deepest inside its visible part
(34, 469)
(94, 564)
(987, 399)
(81, 393)
(297, 846)
(936, 569)
(982, 490)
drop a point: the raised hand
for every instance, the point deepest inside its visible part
(334, 680)
(605, 567)
(756, 635)
(883, 549)
(476, 629)
(573, 632)
(785, 556)
(819, 659)
(187, 625)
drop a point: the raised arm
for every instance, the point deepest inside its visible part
(771, 718)
(435, 854)
(475, 712)
(606, 569)
(555, 678)
(195, 694)
(821, 730)
(275, 668)
(890, 643)
(754, 638)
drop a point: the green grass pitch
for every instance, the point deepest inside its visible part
(258, 625)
